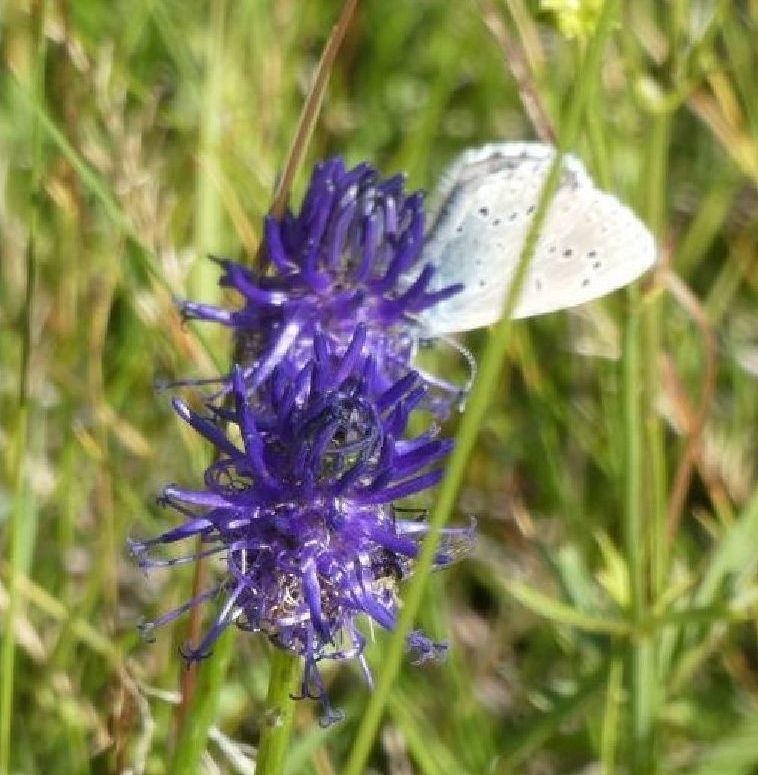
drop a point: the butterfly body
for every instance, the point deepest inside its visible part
(589, 244)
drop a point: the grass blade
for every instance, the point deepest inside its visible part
(478, 403)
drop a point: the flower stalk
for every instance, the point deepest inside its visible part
(279, 714)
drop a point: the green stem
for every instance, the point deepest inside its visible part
(640, 662)
(654, 198)
(279, 713)
(484, 388)
(646, 476)
(203, 281)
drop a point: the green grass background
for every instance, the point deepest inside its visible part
(137, 136)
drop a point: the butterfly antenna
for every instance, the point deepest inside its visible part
(468, 356)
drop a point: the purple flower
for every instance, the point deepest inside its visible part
(351, 256)
(299, 503)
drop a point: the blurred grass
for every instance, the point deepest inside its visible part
(136, 137)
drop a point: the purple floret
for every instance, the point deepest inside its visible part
(350, 257)
(299, 503)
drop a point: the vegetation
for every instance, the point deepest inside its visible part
(607, 620)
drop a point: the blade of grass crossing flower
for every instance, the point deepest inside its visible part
(478, 403)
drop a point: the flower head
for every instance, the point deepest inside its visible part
(350, 257)
(299, 502)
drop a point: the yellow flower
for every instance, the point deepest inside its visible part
(576, 19)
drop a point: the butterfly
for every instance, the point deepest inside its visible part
(589, 243)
